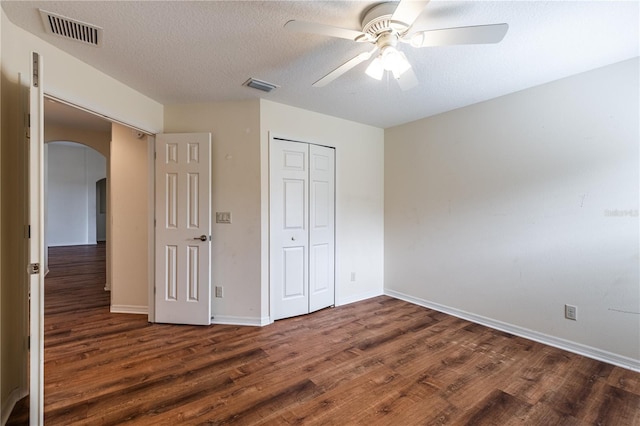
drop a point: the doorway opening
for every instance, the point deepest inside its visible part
(35, 104)
(75, 202)
(76, 157)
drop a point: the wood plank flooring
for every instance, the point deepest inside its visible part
(377, 362)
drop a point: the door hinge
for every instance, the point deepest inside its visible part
(27, 126)
(28, 343)
(34, 268)
(36, 77)
(27, 231)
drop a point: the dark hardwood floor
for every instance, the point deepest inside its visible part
(377, 362)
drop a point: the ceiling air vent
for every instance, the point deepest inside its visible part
(260, 85)
(71, 29)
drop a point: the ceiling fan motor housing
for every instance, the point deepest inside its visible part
(378, 21)
(386, 40)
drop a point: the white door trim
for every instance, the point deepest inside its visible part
(151, 229)
(36, 241)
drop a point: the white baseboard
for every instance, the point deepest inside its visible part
(567, 345)
(7, 407)
(231, 320)
(129, 309)
(358, 297)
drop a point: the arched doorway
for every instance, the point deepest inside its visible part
(73, 197)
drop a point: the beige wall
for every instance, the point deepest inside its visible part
(128, 217)
(505, 211)
(235, 187)
(359, 194)
(240, 185)
(13, 280)
(100, 141)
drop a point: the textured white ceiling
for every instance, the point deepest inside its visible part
(185, 52)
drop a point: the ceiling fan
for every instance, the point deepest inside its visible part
(387, 24)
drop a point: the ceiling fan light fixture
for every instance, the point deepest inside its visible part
(390, 59)
(394, 61)
(401, 66)
(375, 69)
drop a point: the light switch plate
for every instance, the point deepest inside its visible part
(223, 217)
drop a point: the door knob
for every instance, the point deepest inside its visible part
(201, 238)
(293, 238)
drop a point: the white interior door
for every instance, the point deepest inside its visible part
(302, 186)
(183, 228)
(321, 227)
(36, 243)
(289, 177)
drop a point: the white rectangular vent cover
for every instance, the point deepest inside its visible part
(71, 29)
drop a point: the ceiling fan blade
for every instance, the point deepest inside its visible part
(343, 69)
(326, 30)
(409, 10)
(479, 34)
(407, 80)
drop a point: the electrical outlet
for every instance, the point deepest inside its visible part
(571, 312)
(218, 291)
(353, 277)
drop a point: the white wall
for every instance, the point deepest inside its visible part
(359, 194)
(72, 172)
(506, 211)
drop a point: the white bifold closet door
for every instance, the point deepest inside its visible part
(302, 227)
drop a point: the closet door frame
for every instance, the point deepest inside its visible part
(307, 242)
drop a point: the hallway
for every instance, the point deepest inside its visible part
(74, 287)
